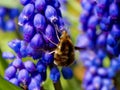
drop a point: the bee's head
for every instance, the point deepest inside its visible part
(64, 35)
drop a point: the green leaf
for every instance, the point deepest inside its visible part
(106, 62)
(71, 84)
(48, 85)
(8, 36)
(5, 85)
(10, 3)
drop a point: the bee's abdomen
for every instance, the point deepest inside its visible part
(60, 60)
(63, 59)
(64, 54)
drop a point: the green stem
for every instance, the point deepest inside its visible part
(57, 85)
(18, 34)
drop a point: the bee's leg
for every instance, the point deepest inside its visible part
(51, 52)
(46, 51)
(56, 30)
(55, 62)
(49, 39)
(56, 27)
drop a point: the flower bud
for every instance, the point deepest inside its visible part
(54, 74)
(10, 25)
(47, 58)
(41, 67)
(2, 11)
(113, 11)
(21, 20)
(10, 72)
(23, 76)
(37, 41)
(34, 85)
(29, 66)
(67, 73)
(28, 32)
(24, 2)
(17, 63)
(14, 13)
(8, 55)
(40, 5)
(14, 81)
(28, 11)
(40, 22)
(51, 14)
(15, 45)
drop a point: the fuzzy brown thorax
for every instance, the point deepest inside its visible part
(64, 53)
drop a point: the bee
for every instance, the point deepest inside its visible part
(64, 53)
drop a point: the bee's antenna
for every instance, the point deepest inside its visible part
(56, 30)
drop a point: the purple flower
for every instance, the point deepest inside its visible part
(8, 55)
(10, 25)
(24, 2)
(37, 41)
(51, 14)
(29, 66)
(54, 74)
(40, 22)
(67, 73)
(28, 11)
(10, 72)
(28, 32)
(23, 76)
(18, 63)
(14, 81)
(40, 5)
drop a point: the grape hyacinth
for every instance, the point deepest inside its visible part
(42, 25)
(23, 74)
(100, 35)
(98, 74)
(8, 18)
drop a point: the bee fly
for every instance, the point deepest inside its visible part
(64, 51)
